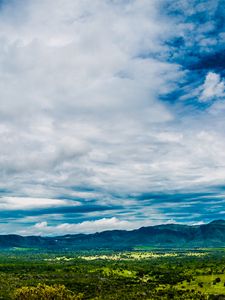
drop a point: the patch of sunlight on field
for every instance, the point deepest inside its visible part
(206, 284)
(126, 256)
(59, 258)
(141, 255)
(118, 272)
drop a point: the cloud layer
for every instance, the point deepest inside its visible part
(105, 102)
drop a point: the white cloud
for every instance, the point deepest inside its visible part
(27, 203)
(212, 88)
(74, 86)
(80, 108)
(99, 225)
(44, 228)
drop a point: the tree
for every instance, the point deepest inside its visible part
(45, 292)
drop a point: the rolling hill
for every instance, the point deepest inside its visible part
(169, 235)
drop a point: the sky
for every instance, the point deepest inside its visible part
(112, 114)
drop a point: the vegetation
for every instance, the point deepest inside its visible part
(45, 292)
(156, 274)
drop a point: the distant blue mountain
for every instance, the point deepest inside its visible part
(169, 235)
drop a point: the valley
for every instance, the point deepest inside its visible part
(156, 274)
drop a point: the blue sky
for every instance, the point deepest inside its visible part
(111, 114)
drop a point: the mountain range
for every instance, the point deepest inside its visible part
(165, 236)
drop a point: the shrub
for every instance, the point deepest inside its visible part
(45, 292)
